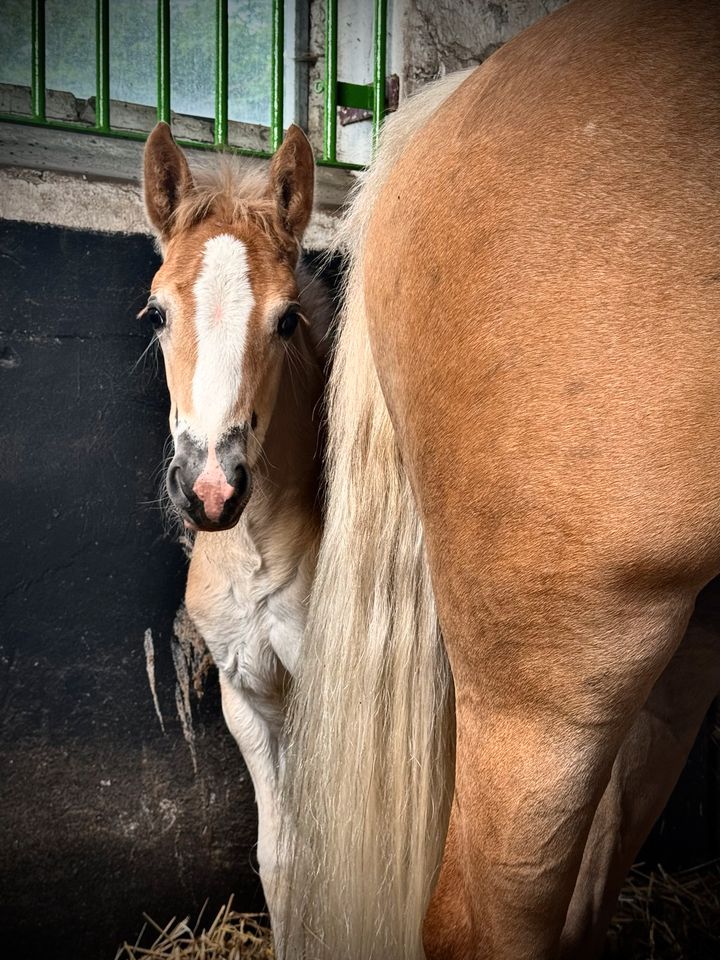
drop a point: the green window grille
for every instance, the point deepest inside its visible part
(368, 97)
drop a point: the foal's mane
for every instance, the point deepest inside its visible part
(233, 190)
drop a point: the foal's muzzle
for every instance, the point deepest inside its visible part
(210, 486)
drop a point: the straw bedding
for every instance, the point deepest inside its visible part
(661, 916)
(664, 916)
(229, 936)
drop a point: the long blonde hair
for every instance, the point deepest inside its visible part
(370, 767)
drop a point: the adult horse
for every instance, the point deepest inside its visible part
(525, 416)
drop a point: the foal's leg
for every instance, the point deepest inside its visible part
(546, 687)
(645, 771)
(259, 746)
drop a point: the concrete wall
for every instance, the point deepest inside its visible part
(92, 183)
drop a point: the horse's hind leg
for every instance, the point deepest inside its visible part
(547, 684)
(644, 773)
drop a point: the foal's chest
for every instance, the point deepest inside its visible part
(250, 610)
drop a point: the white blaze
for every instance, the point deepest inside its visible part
(223, 303)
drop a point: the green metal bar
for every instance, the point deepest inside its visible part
(136, 135)
(120, 134)
(277, 74)
(360, 96)
(339, 164)
(38, 60)
(379, 66)
(102, 65)
(221, 73)
(163, 61)
(330, 119)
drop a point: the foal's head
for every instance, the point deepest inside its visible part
(224, 305)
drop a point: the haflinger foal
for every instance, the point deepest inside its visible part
(243, 330)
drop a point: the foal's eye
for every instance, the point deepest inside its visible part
(155, 315)
(287, 323)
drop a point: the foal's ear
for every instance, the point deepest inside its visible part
(167, 179)
(292, 181)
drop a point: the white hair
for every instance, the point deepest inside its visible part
(371, 765)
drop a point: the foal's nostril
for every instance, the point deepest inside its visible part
(174, 483)
(240, 480)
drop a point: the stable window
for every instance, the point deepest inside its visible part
(223, 72)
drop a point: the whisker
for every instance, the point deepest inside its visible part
(152, 345)
(262, 455)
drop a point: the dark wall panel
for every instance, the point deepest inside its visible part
(102, 815)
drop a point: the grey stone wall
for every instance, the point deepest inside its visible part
(441, 36)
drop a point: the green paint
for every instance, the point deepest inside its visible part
(163, 61)
(277, 74)
(38, 60)
(330, 118)
(102, 65)
(359, 96)
(379, 66)
(221, 73)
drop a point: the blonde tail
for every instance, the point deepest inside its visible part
(370, 767)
